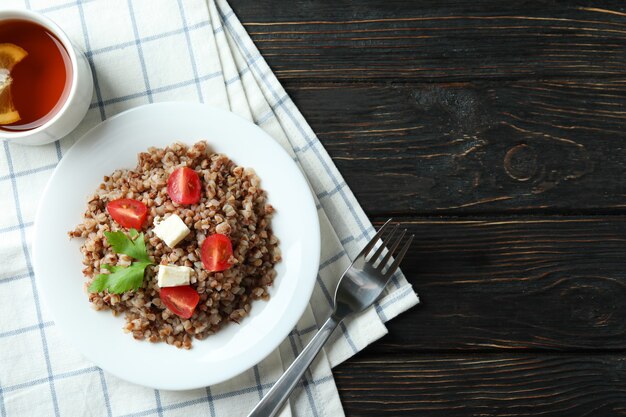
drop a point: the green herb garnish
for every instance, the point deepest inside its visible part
(135, 246)
(124, 278)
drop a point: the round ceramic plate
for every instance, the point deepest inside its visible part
(98, 335)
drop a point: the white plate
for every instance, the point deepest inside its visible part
(115, 144)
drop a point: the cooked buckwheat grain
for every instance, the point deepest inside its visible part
(232, 204)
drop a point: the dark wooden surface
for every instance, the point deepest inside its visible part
(501, 129)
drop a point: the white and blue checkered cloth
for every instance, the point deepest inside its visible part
(145, 51)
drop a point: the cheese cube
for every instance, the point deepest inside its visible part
(171, 230)
(173, 276)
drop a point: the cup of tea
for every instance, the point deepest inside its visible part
(46, 83)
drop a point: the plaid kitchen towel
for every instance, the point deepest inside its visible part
(145, 51)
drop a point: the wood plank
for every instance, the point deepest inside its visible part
(475, 147)
(483, 385)
(435, 40)
(525, 283)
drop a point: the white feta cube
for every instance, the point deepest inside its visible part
(173, 276)
(171, 230)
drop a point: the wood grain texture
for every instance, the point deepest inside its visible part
(459, 107)
(475, 147)
(433, 41)
(523, 283)
(495, 131)
(483, 385)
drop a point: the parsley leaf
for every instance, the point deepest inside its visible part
(123, 278)
(133, 246)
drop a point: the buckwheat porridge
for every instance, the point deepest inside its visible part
(181, 245)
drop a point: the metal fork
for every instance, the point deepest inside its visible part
(361, 284)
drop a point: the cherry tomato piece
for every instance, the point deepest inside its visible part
(128, 213)
(216, 252)
(183, 186)
(181, 300)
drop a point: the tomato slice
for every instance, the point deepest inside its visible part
(183, 186)
(128, 213)
(182, 300)
(216, 251)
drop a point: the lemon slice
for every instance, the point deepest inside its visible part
(10, 55)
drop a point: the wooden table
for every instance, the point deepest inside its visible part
(496, 134)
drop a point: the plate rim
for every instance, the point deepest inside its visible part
(263, 353)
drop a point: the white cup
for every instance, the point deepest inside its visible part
(76, 104)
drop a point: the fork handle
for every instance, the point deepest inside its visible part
(273, 401)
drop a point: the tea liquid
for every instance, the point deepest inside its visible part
(42, 80)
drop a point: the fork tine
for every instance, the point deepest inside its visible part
(380, 250)
(373, 241)
(391, 250)
(394, 266)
